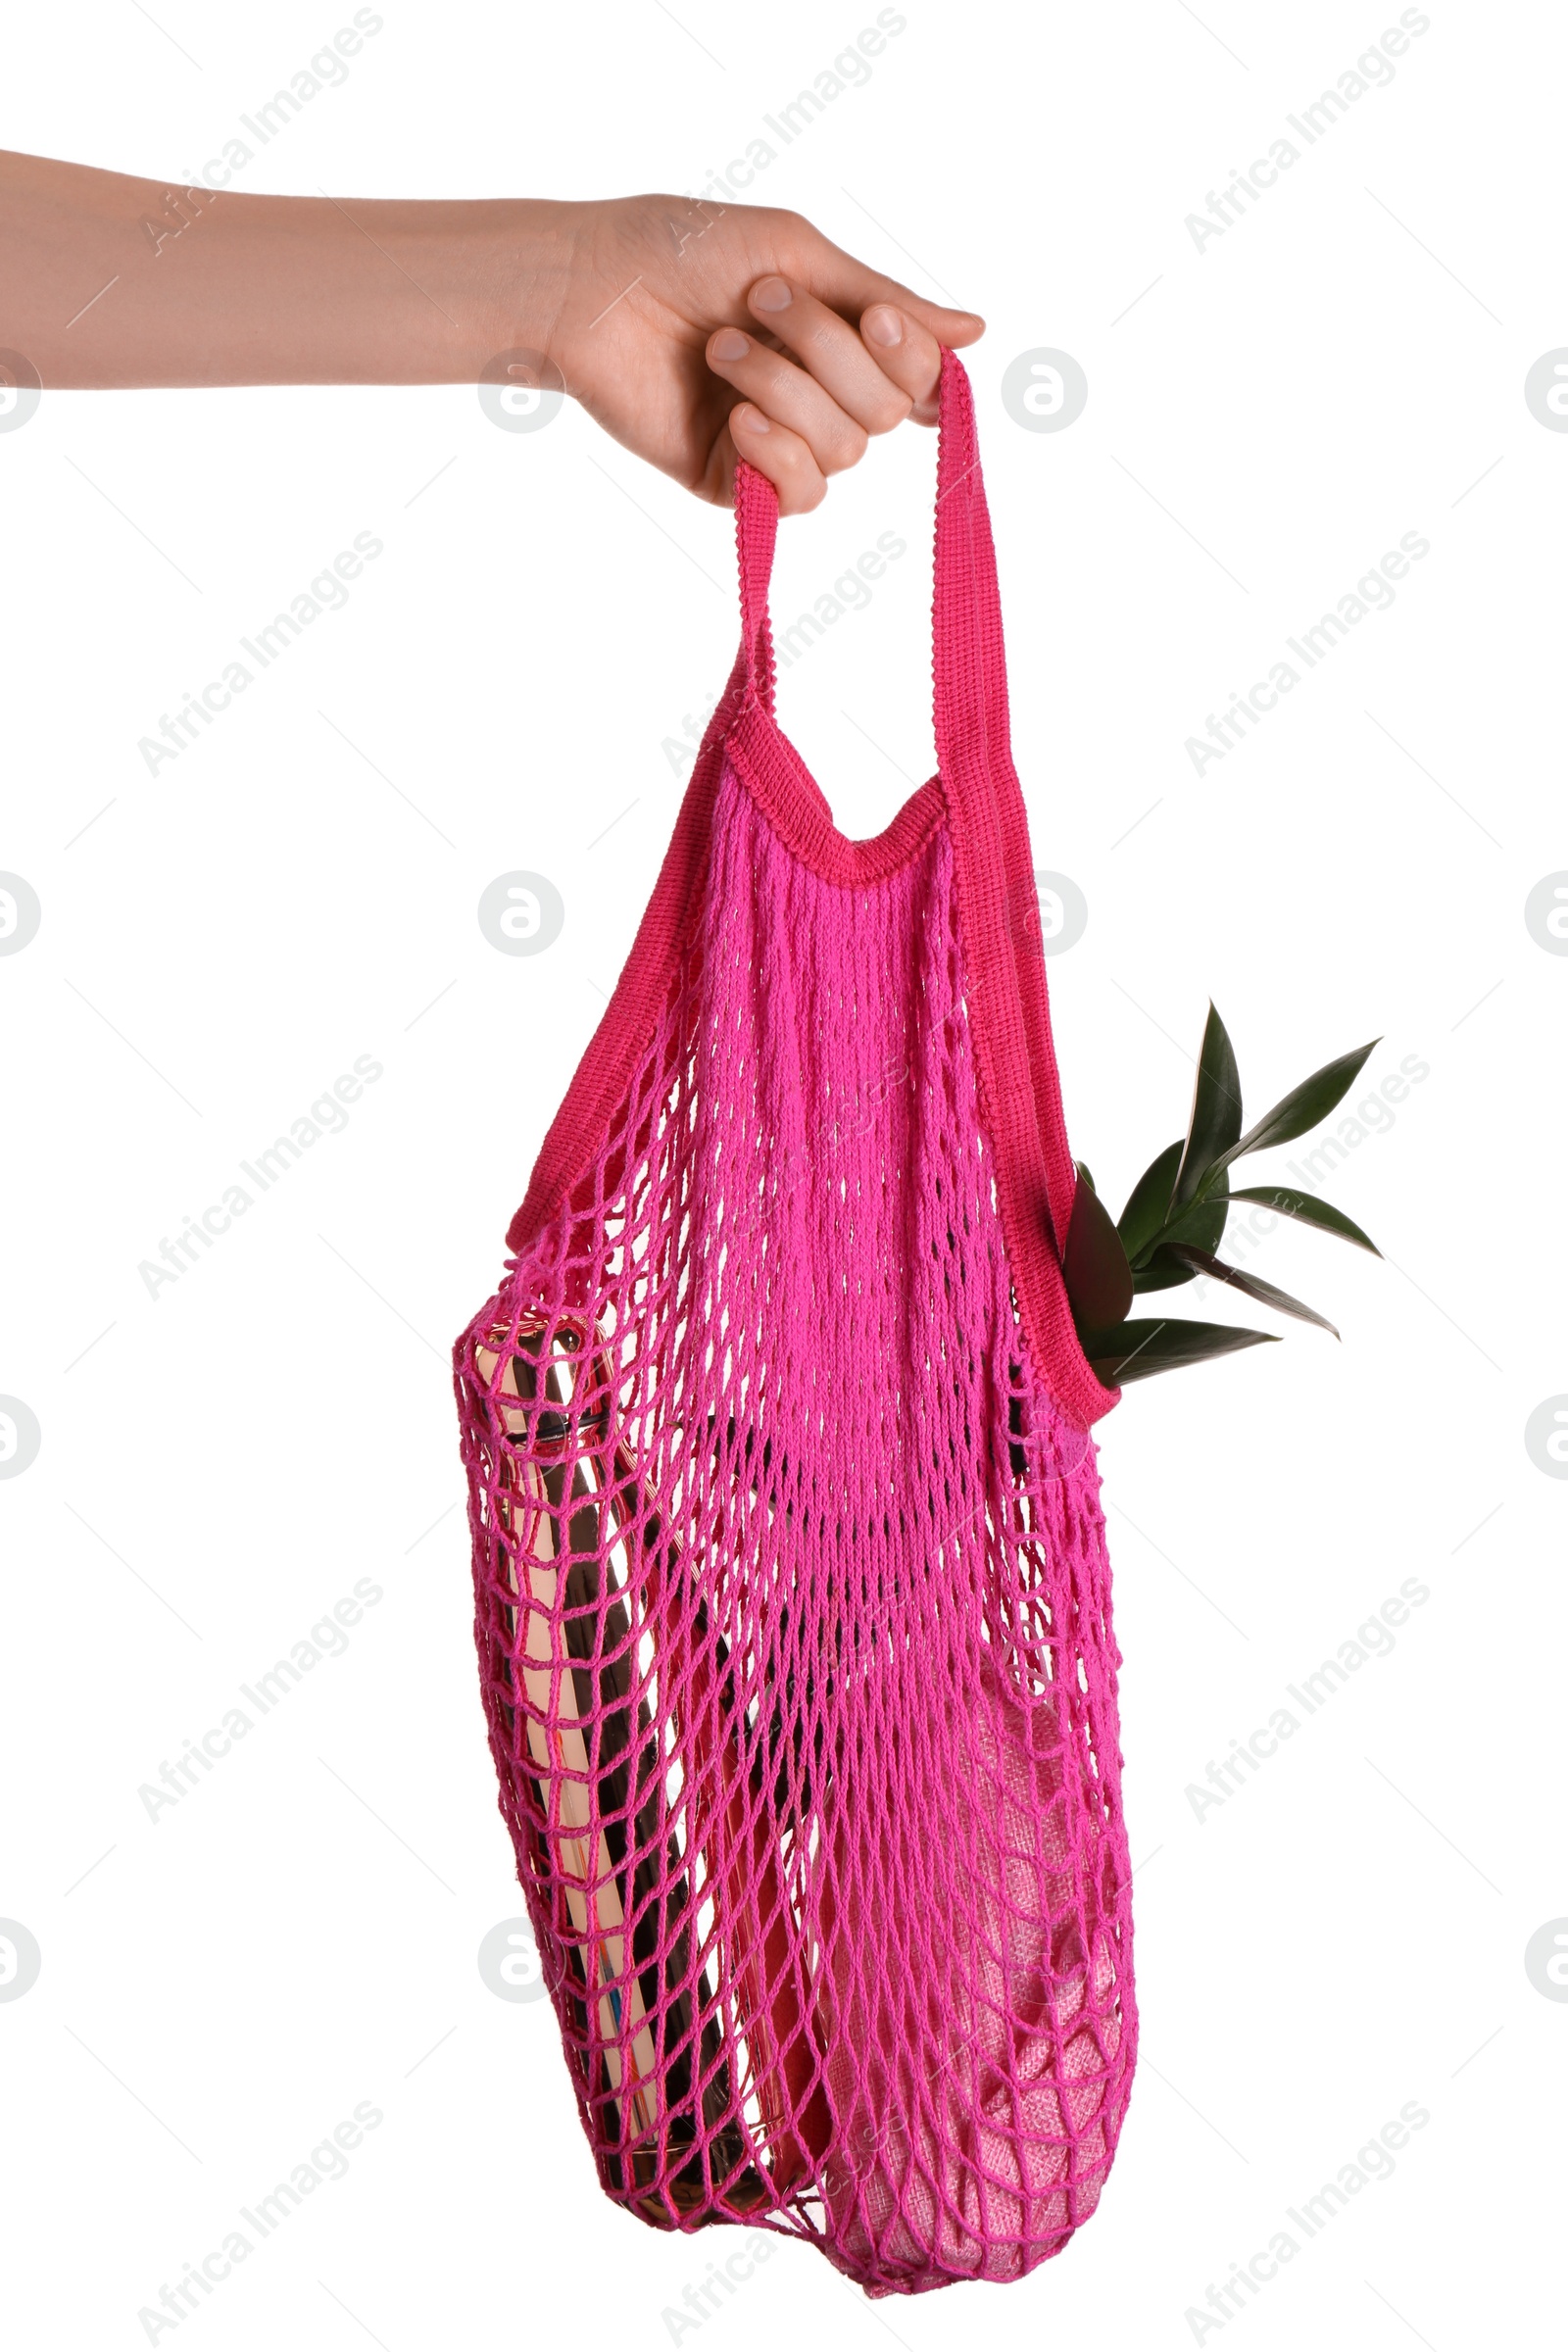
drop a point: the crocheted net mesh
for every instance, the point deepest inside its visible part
(793, 1616)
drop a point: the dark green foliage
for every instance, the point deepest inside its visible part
(1175, 1219)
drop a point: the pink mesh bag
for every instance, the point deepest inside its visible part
(793, 1602)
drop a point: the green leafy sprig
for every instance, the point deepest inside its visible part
(1175, 1216)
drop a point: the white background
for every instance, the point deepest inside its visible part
(1345, 1934)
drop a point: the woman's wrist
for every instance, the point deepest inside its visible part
(478, 280)
(510, 267)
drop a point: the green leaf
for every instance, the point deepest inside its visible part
(1161, 1272)
(1215, 1121)
(1310, 1210)
(1149, 1201)
(1251, 1284)
(1098, 1279)
(1303, 1108)
(1138, 1351)
(1201, 1223)
(1082, 1166)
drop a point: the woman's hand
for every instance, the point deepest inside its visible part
(694, 333)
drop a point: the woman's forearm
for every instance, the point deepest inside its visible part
(112, 281)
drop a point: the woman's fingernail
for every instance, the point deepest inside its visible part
(771, 294)
(730, 344)
(883, 326)
(754, 421)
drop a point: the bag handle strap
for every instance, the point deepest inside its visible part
(974, 757)
(969, 670)
(986, 808)
(968, 664)
(756, 532)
